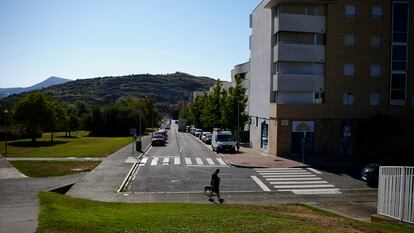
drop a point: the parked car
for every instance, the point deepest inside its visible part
(223, 141)
(370, 174)
(158, 139)
(198, 132)
(203, 135)
(164, 132)
(192, 130)
(207, 139)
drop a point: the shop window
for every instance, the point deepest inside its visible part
(264, 135)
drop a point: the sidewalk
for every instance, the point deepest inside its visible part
(19, 203)
(250, 158)
(103, 182)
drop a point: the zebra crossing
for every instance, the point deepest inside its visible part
(297, 180)
(176, 160)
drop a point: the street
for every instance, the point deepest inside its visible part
(185, 165)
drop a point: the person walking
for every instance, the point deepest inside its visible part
(215, 184)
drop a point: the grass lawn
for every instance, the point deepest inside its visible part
(53, 168)
(61, 213)
(79, 145)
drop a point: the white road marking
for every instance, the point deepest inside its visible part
(188, 161)
(221, 161)
(143, 161)
(154, 161)
(177, 160)
(305, 178)
(281, 176)
(131, 160)
(181, 150)
(277, 169)
(287, 173)
(304, 186)
(210, 161)
(313, 191)
(282, 171)
(301, 182)
(166, 161)
(199, 161)
(314, 170)
(260, 183)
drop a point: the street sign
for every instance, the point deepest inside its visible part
(303, 126)
(133, 131)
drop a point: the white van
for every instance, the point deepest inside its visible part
(223, 141)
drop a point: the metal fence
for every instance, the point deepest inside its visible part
(396, 193)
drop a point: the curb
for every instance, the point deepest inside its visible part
(131, 171)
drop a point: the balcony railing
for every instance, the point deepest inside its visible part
(299, 23)
(299, 52)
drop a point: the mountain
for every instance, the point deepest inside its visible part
(4, 92)
(166, 89)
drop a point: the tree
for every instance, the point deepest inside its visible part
(233, 111)
(34, 112)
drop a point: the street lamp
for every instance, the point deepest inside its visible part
(5, 127)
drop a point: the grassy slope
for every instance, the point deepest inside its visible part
(53, 168)
(65, 214)
(79, 146)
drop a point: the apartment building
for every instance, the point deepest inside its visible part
(322, 73)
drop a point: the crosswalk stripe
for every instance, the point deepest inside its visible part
(210, 161)
(275, 169)
(301, 182)
(154, 161)
(221, 161)
(281, 176)
(177, 160)
(199, 161)
(188, 161)
(143, 161)
(313, 191)
(314, 170)
(303, 186)
(298, 178)
(297, 173)
(260, 183)
(166, 161)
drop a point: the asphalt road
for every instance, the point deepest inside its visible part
(185, 165)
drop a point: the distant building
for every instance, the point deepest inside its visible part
(319, 70)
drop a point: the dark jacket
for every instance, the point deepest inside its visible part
(215, 181)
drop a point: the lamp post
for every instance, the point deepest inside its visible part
(238, 124)
(5, 127)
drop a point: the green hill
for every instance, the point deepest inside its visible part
(164, 88)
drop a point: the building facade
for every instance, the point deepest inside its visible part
(323, 73)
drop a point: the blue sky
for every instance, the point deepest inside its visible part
(91, 38)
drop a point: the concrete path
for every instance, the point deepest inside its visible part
(7, 171)
(53, 159)
(104, 181)
(19, 203)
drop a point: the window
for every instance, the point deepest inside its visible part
(374, 99)
(348, 98)
(350, 10)
(349, 70)
(257, 121)
(349, 40)
(375, 70)
(377, 12)
(264, 135)
(377, 41)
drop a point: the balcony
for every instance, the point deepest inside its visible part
(299, 23)
(298, 82)
(299, 52)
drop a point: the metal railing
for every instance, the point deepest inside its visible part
(396, 193)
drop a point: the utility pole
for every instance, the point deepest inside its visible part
(238, 123)
(5, 131)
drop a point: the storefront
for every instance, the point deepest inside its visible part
(303, 133)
